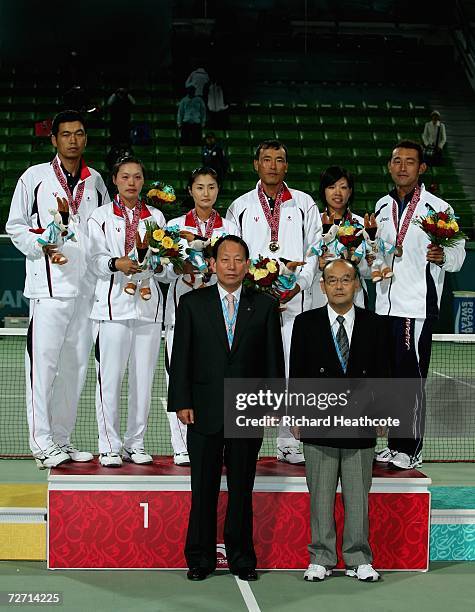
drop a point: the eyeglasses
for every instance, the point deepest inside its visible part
(344, 280)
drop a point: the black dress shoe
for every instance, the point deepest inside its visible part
(198, 573)
(248, 574)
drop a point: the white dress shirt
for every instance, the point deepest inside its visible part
(347, 324)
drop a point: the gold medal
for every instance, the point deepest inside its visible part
(274, 246)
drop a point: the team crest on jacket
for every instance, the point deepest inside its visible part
(256, 219)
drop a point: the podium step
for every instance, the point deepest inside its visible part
(23, 522)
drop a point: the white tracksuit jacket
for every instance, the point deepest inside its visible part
(415, 290)
(177, 285)
(300, 227)
(34, 195)
(107, 234)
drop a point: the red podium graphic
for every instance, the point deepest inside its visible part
(137, 516)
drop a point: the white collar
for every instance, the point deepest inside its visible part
(348, 316)
(223, 293)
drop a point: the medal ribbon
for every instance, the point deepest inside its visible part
(130, 226)
(272, 219)
(73, 202)
(209, 226)
(401, 234)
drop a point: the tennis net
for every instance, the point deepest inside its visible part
(450, 390)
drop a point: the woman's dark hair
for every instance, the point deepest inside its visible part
(203, 170)
(230, 238)
(329, 177)
(67, 116)
(127, 160)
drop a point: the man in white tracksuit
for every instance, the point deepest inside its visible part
(127, 328)
(411, 298)
(202, 221)
(59, 335)
(279, 222)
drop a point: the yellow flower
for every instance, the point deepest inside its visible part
(260, 273)
(252, 269)
(270, 265)
(158, 234)
(167, 242)
(441, 223)
(346, 230)
(454, 225)
(152, 193)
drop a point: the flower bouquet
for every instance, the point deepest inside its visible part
(162, 196)
(164, 244)
(276, 278)
(440, 227)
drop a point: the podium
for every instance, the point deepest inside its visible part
(136, 517)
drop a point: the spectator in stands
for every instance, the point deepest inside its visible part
(61, 292)
(120, 105)
(277, 221)
(202, 220)
(217, 108)
(336, 193)
(214, 156)
(198, 79)
(191, 118)
(434, 138)
(411, 300)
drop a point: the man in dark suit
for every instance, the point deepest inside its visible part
(222, 331)
(339, 340)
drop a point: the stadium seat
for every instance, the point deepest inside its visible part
(258, 136)
(356, 122)
(237, 136)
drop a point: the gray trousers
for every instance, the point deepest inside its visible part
(324, 465)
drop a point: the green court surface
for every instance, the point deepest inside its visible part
(446, 587)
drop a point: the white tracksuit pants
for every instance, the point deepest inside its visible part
(285, 437)
(57, 353)
(177, 429)
(118, 344)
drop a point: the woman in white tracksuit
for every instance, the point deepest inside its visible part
(204, 221)
(336, 191)
(127, 328)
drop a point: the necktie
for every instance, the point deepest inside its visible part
(342, 341)
(230, 323)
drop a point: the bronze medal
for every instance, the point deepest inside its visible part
(398, 251)
(274, 246)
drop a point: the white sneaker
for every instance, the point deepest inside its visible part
(51, 457)
(364, 572)
(385, 455)
(181, 459)
(290, 454)
(110, 459)
(137, 455)
(406, 462)
(316, 572)
(75, 454)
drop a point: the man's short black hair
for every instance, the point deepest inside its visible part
(230, 238)
(271, 144)
(66, 116)
(348, 261)
(409, 144)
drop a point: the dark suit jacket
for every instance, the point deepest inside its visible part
(313, 355)
(201, 358)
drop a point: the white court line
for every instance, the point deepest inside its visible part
(247, 595)
(461, 382)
